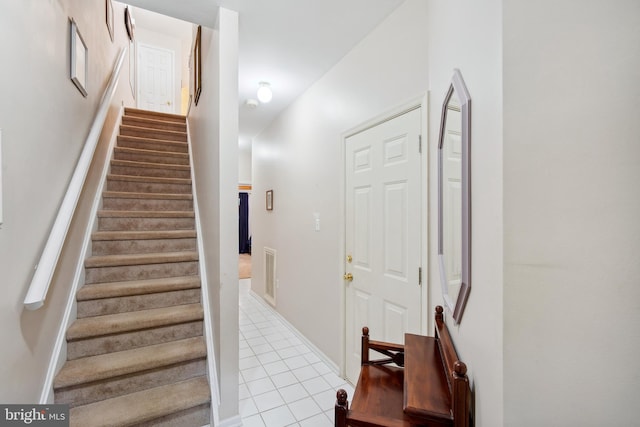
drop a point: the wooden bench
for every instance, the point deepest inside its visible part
(420, 383)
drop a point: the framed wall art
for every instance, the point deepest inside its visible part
(197, 66)
(79, 59)
(109, 7)
(129, 23)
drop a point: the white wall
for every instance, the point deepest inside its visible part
(571, 210)
(214, 135)
(300, 157)
(467, 34)
(244, 165)
(45, 121)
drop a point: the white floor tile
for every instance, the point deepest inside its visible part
(326, 400)
(278, 417)
(296, 362)
(284, 379)
(304, 408)
(303, 349)
(253, 374)
(262, 349)
(304, 373)
(249, 362)
(281, 344)
(288, 352)
(293, 392)
(312, 358)
(322, 368)
(246, 352)
(253, 421)
(334, 380)
(316, 385)
(260, 386)
(269, 357)
(247, 407)
(243, 392)
(276, 367)
(319, 420)
(269, 400)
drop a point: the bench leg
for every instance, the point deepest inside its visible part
(341, 409)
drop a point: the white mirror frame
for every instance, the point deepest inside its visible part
(459, 88)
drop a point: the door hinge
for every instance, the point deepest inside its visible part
(420, 144)
(420, 276)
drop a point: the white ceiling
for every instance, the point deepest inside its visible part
(288, 43)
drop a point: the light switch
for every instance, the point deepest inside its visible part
(316, 217)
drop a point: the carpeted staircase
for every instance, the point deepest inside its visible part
(136, 354)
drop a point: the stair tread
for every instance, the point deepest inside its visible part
(152, 129)
(133, 163)
(136, 287)
(144, 405)
(138, 195)
(154, 179)
(110, 365)
(154, 122)
(133, 321)
(142, 235)
(131, 138)
(147, 113)
(153, 152)
(107, 213)
(139, 259)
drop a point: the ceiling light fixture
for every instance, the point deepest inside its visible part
(264, 92)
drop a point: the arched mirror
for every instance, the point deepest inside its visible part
(454, 197)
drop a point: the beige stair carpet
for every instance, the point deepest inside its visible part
(136, 354)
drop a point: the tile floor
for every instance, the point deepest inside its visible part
(282, 381)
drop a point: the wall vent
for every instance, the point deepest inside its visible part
(270, 275)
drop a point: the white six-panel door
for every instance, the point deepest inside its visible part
(156, 79)
(383, 234)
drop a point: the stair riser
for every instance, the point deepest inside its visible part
(137, 302)
(126, 384)
(154, 172)
(173, 118)
(148, 187)
(140, 272)
(153, 134)
(145, 224)
(197, 416)
(154, 123)
(130, 340)
(112, 247)
(153, 145)
(151, 157)
(122, 204)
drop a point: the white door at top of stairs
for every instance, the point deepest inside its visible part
(156, 90)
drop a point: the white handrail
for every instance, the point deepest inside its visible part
(37, 292)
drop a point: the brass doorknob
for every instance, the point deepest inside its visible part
(348, 276)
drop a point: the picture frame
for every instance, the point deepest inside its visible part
(269, 200)
(109, 14)
(197, 66)
(128, 23)
(79, 70)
